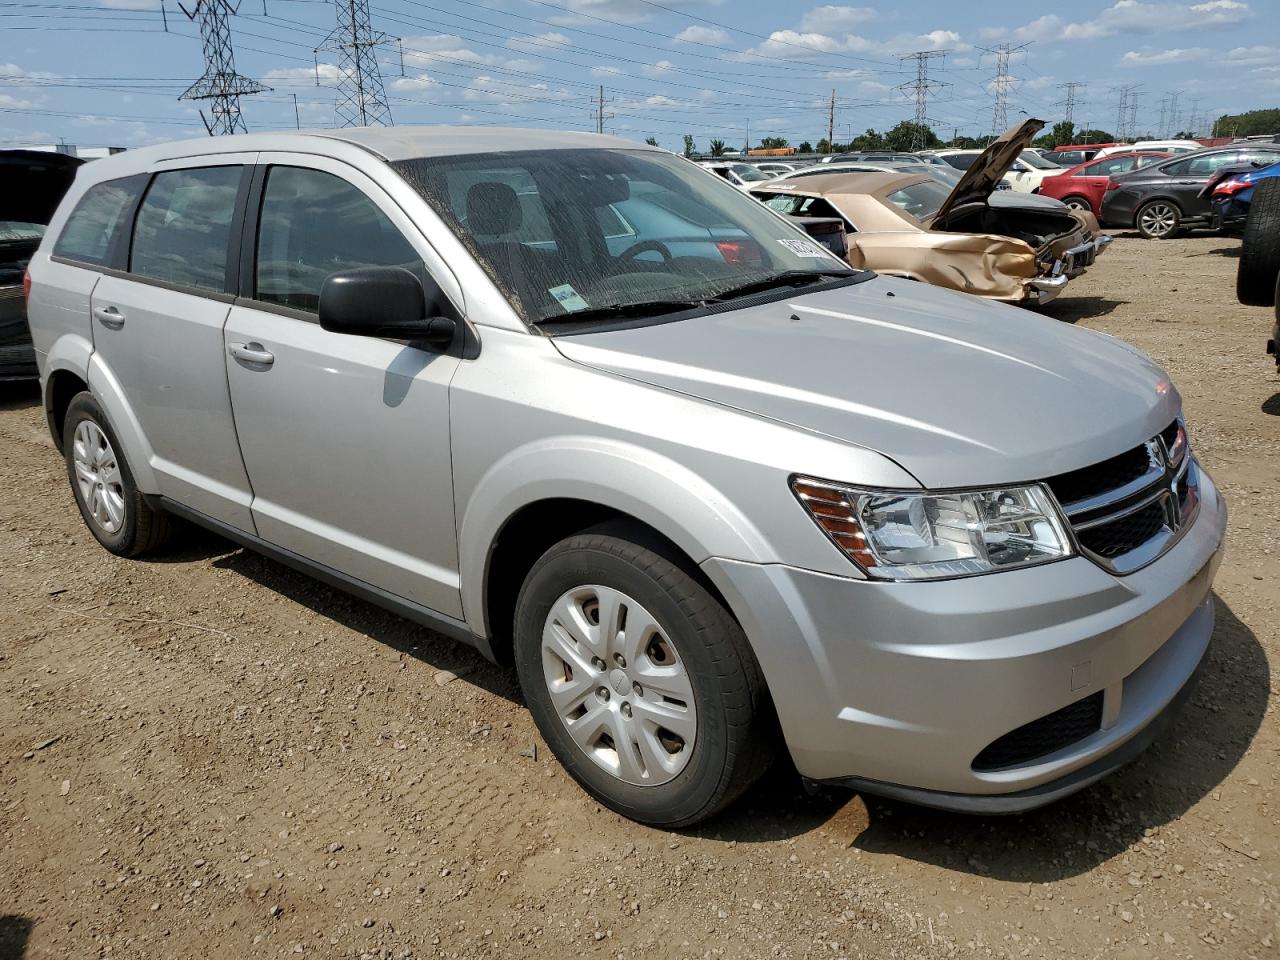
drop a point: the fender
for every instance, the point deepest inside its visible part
(110, 395)
(694, 515)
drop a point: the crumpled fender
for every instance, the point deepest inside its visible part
(982, 264)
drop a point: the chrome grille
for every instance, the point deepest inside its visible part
(1128, 510)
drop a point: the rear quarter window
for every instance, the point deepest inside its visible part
(89, 231)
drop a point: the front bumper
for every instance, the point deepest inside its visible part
(897, 687)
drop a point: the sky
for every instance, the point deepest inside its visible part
(108, 72)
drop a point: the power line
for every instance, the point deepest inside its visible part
(220, 84)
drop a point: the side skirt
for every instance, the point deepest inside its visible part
(425, 616)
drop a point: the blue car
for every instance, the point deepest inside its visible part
(1231, 193)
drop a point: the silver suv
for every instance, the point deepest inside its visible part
(594, 411)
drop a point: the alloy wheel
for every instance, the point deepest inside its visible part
(1075, 203)
(619, 685)
(1158, 219)
(98, 476)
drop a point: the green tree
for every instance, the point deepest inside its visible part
(1250, 124)
(1062, 133)
(1094, 136)
(688, 144)
(867, 141)
(717, 148)
(824, 146)
(773, 143)
(909, 135)
(651, 141)
(805, 147)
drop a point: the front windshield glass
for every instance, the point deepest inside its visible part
(750, 173)
(20, 230)
(920, 200)
(564, 231)
(1034, 160)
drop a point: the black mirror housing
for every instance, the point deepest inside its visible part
(385, 302)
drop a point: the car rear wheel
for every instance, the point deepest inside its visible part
(1260, 247)
(114, 511)
(640, 681)
(1078, 203)
(1158, 219)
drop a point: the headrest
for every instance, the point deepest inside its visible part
(492, 208)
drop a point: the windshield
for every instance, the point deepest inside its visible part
(747, 172)
(1035, 161)
(20, 230)
(565, 231)
(920, 200)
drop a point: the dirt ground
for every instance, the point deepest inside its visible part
(212, 756)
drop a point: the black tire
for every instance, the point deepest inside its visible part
(1260, 247)
(737, 735)
(1078, 203)
(143, 529)
(1149, 208)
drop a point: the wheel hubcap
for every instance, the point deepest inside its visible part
(1158, 219)
(98, 476)
(618, 685)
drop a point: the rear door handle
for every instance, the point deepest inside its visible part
(109, 317)
(252, 353)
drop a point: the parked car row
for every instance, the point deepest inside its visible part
(713, 491)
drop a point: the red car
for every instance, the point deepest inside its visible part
(1082, 186)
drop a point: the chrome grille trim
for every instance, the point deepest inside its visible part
(1160, 484)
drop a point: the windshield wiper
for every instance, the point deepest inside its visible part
(788, 278)
(614, 311)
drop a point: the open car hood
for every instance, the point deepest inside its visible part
(34, 184)
(979, 181)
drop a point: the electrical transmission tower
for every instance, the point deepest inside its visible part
(220, 84)
(1069, 103)
(1126, 111)
(1172, 126)
(1001, 84)
(361, 100)
(919, 90)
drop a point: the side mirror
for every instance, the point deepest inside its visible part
(384, 302)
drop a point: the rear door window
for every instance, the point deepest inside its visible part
(314, 224)
(184, 225)
(88, 232)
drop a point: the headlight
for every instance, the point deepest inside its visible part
(909, 535)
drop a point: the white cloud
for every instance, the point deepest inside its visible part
(8, 101)
(835, 19)
(794, 44)
(607, 71)
(131, 4)
(12, 70)
(539, 44)
(1129, 16)
(697, 34)
(1155, 58)
(659, 69)
(1251, 55)
(328, 73)
(415, 84)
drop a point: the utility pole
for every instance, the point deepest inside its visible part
(297, 120)
(1070, 102)
(831, 123)
(361, 99)
(920, 89)
(1002, 83)
(600, 103)
(220, 84)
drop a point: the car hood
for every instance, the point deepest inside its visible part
(35, 182)
(979, 181)
(957, 391)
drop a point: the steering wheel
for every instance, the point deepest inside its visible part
(644, 246)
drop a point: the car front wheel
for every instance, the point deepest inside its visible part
(1078, 203)
(638, 678)
(1158, 219)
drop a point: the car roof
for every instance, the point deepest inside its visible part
(831, 183)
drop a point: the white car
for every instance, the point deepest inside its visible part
(741, 175)
(1025, 176)
(1164, 146)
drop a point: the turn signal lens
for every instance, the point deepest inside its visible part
(26, 285)
(916, 535)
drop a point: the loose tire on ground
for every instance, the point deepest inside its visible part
(736, 736)
(1260, 247)
(130, 527)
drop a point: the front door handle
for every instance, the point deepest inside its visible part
(109, 317)
(252, 353)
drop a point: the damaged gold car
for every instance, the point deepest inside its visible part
(1019, 249)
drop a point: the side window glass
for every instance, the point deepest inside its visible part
(87, 234)
(314, 224)
(183, 227)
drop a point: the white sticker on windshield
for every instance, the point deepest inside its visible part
(803, 248)
(568, 297)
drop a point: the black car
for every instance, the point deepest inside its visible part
(1164, 198)
(32, 183)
